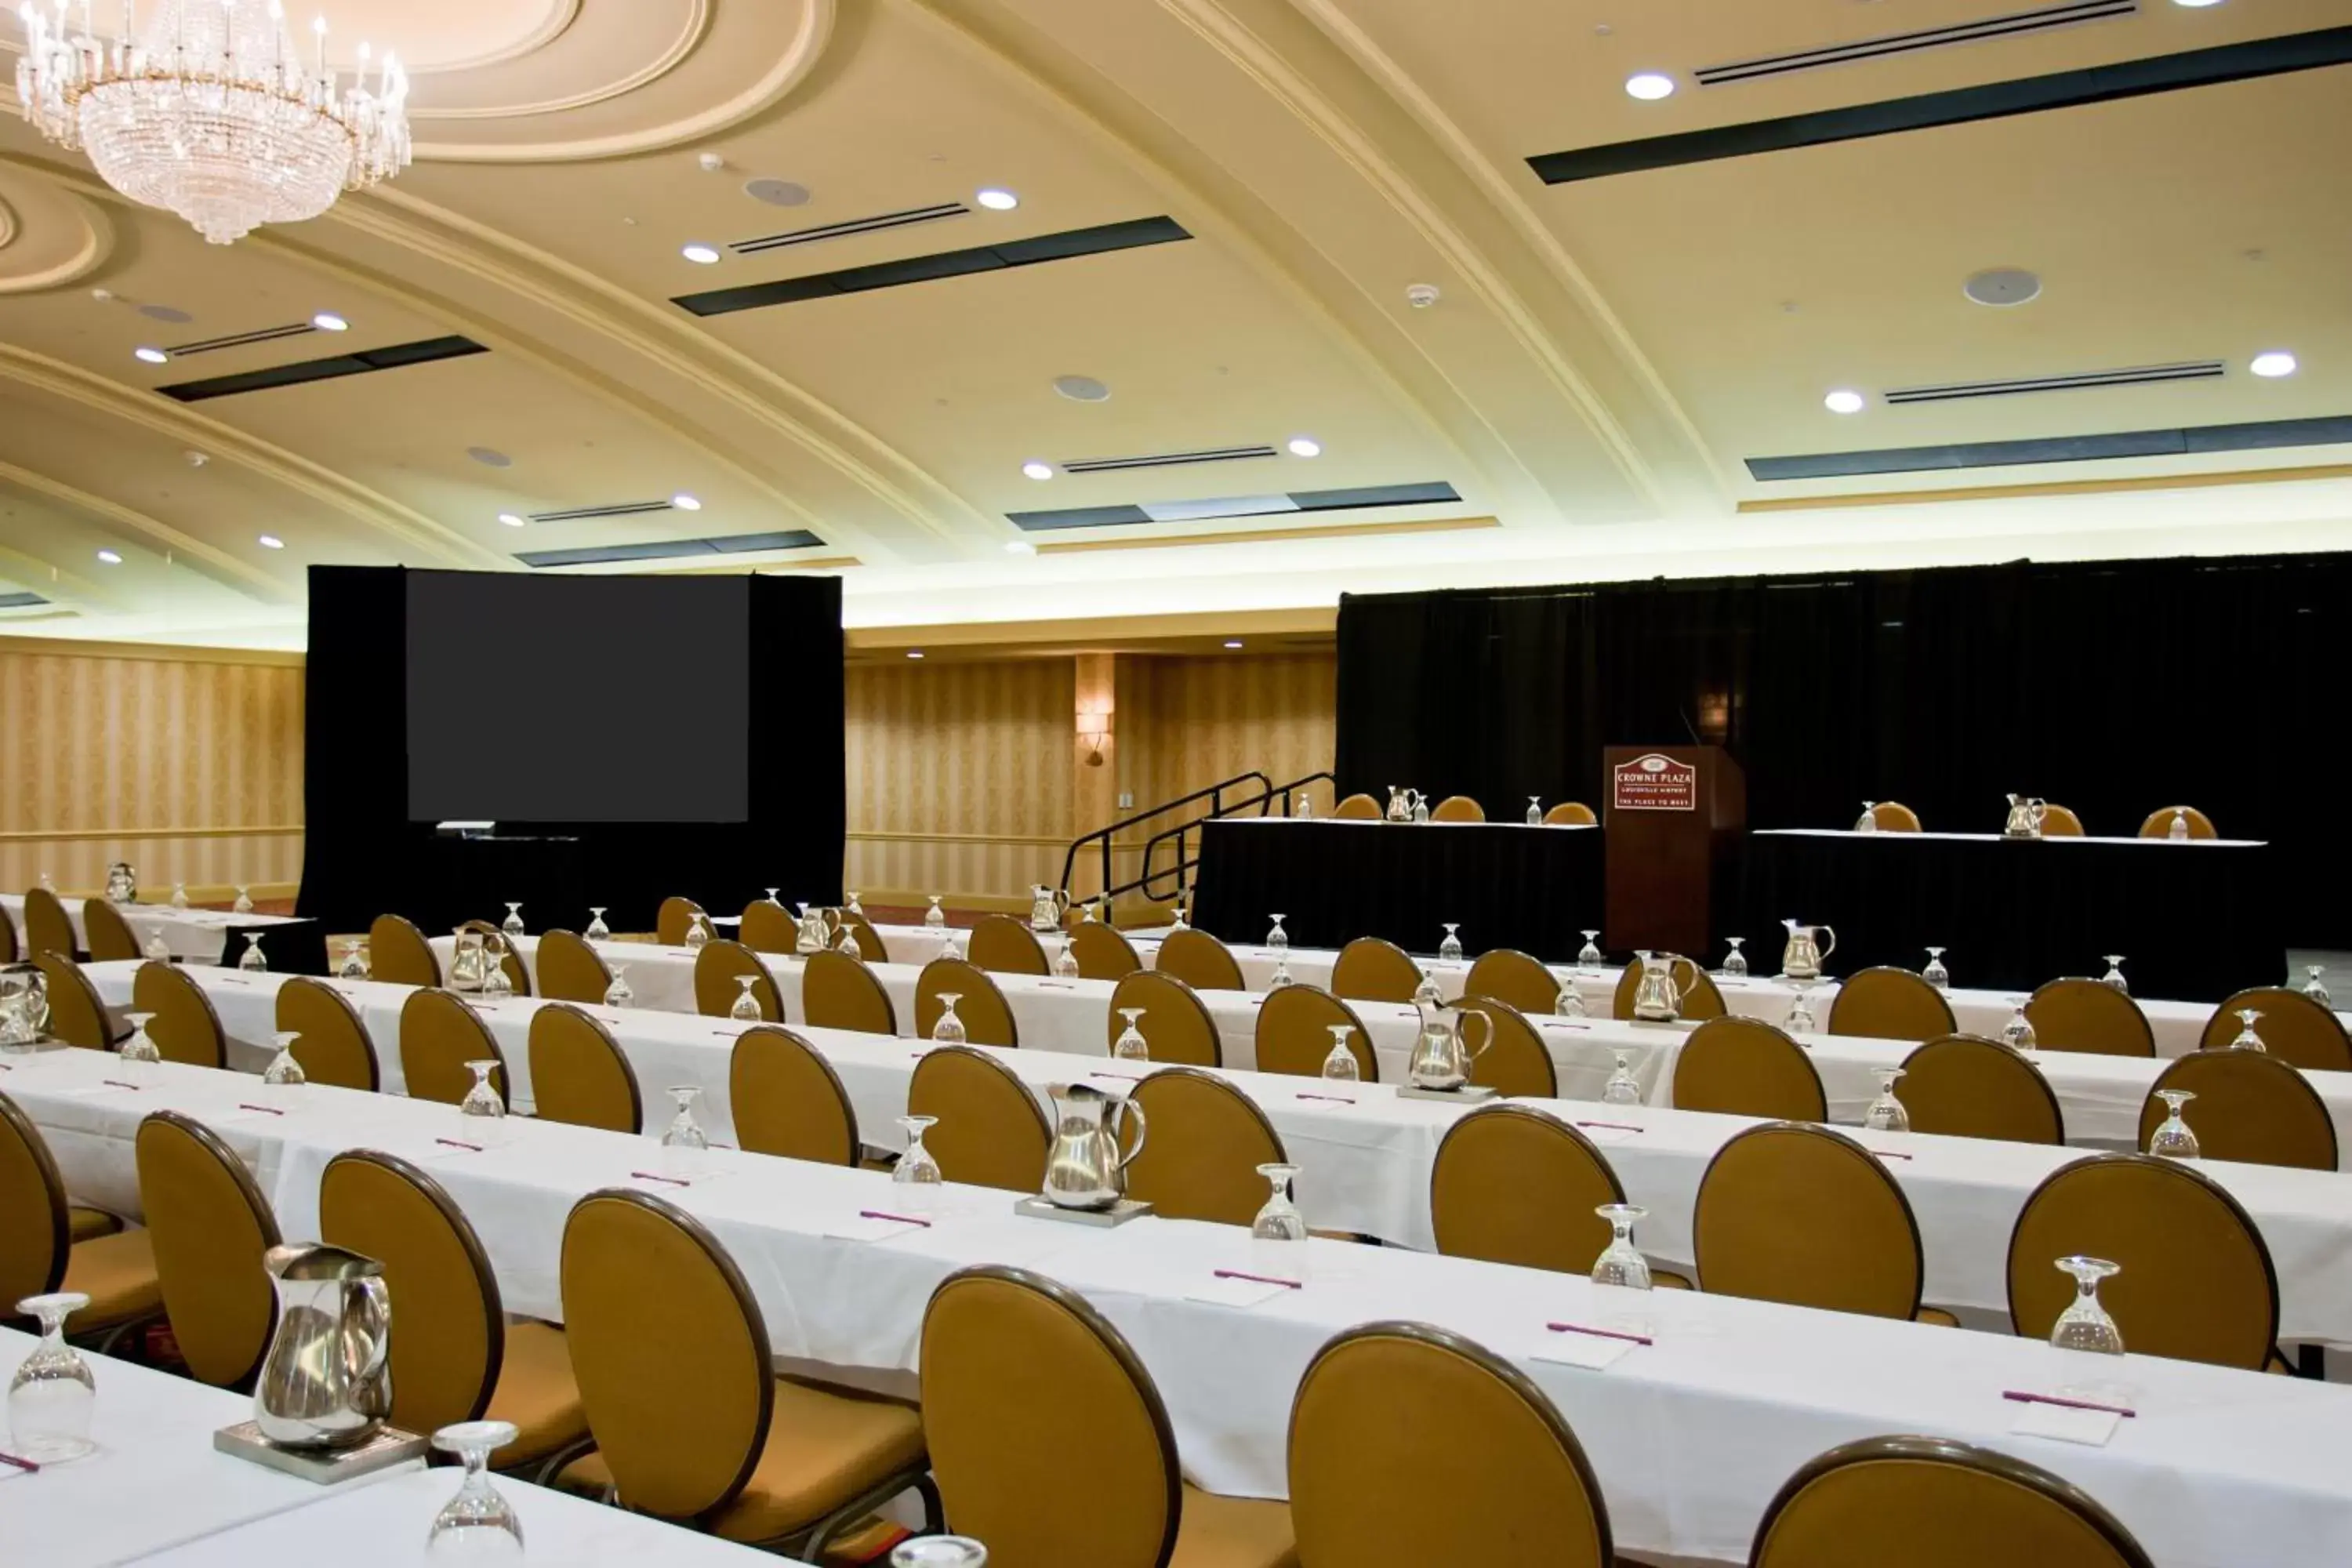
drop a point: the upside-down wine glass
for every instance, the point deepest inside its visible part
(598, 929)
(2115, 975)
(250, 959)
(1588, 957)
(496, 981)
(915, 1168)
(2018, 1033)
(483, 1099)
(2313, 988)
(158, 949)
(1800, 1010)
(1450, 950)
(1278, 941)
(2172, 1139)
(697, 934)
(948, 1030)
(2247, 1040)
(1621, 1263)
(53, 1394)
(935, 917)
(1936, 974)
(1340, 1066)
(1130, 1046)
(1279, 1220)
(940, 1551)
(2084, 1325)
(1623, 1088)
(745, 1008)
(1734, 962)
(138, 1052)
(1887, 1114)
(478, 1525)
(852, 906)
(772, 899)
(178, 895)
(683, 1140)
(1868, 821)
(1427, 993)
(512, 924)
(618, 995)
(1569, 1003)
(243, 901)
(849, 947)
(284, 1071)
(1066, 963)
(1281, 975)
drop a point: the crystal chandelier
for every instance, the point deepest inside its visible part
(209, 112)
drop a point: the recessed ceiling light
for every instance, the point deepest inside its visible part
(1019, 547)
(271, 541)
(701, 255)
(1650, 86)
(1305, 447)
(1844, 400)
(1232, 642)
(685, 502)
(2274, 362)
(2197, 5)
(152, 356)
(510, 520)
(1036, 468)
(997, 200)
(914, 653)
(327, 321)
(109, 557)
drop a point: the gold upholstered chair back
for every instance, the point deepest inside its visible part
(838, 992)
(77, 1014)
(987, 1015)
(34, 1242)
(109, 937)
(1701, 999)
(1514, 1060)
(2294, 1028)
(398, 953)
(768, 927)
(2158, 824)
(209, 1224)
(186, 1027)
(1206, 1140)
(1200, 961)
(1004, 945)
(1745, 1067)
(1964, 1086)
(1803, 1214)
(1176, 1024)
(578, 1074)
(1572, 814)
(1514, 1183)
(1888, 1004)
(572, 970)
(871, 948)
(439, 1034)
(48, 927)
(674, 918)
(1103, 951)
(991, 1131)
(1374, 969)
(1509, 975)
(2058, 822)
(2089, 1015)
(787, 1099)
(1358, 808)
(1458, 808)
(1894, 816)
(2251, 1107)
(12, 946)
(334, 1047)
(719, 971)
(1294, 1034)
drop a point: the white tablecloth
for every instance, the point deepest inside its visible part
(198, 936)
(1690, 1437)
(155, 1482)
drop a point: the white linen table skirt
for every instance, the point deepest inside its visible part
(197, 936)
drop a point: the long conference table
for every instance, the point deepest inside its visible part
(195, 935)
(1690, 1435)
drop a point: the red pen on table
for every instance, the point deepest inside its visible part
(28, 1466)
(650, 1176)
(117, 1083)
(455, 1143)
(895, 1218)
(265, 1110)
(1599, 1334)
(1259, 1278)
(1886, 1153)
(1335, 1098)
(2018, 1397)
(1618, 1126)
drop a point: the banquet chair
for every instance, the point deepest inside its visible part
(1200, 961)
(1205, 1143)
(1020, 1378)
(2296, 1029)
(871, 948)
(673, 918)
(1894, 816)
(1950, 1505)
(399, 954)
(209, 1224)
(1358, 808)
(2159, 823)
(1889, 1003)
(991, 1132)
(719, 970)
(2083, 1015)
(1509, 975)
(1572, 814)
(838, 992)
(578, 1074)
(439, 1034)
(1007, 946)
(1807, 1216)
(1700, 999)
(1385, 1408)
(768, 927)
(1176, 1024)
(1458, 808)
(1514, 1060)
(335, 1047)
(1515, 1183)
(186, 1026)
(2250, 1108)
(788, 1101)
(987, 1015)
(48, 927)
(77, 1014)
(494, 941)
(691, 1422)
(2196, 1281)
(1374, 969)
(1294, 1034)
(107, 934)
(456, 1356)
(572, 970)
(2058, 822)
(1103, 952)
(51, 1244)
(11, 949)
(1964, 1086)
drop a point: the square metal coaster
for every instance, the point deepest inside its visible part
(1468, 1094)
(389, 1447)
(1101, 1219)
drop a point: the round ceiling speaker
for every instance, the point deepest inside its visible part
(1082, 389)
(490, 457)
(171, 313)
(777, 192)
(2003, 286)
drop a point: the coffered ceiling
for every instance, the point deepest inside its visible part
(1225, 210)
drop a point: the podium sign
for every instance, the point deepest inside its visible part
(1672, 815)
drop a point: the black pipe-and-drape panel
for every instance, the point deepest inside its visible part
(362, 856)
(2113, 688)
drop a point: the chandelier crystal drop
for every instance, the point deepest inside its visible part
(209, 111)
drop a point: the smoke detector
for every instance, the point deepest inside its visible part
(1422, 296)
(711, 162)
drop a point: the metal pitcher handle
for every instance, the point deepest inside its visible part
(377, 1297)
(1061, 901)
(1129, 1110)
(1830, 933)
(1484, 1018)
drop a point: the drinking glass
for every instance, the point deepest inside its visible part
(482, 1100)
(854, 907)
(1535, 811)
(745, 1008)
(1734, 962)
(178, 895)
(243, 904)
(1936, 974)
(1868, 821)
(804, 942)
(1427, 993)
(284, 1071)
(158, 950)
(2084, 1324)
(598, 929)
(1887, 1114)
(512, 924)
(1303, 807)
(915, 1168)
(2179, 831)
(1589, 957)
(2115, 975)
(948, 1030)
(2313, 988)
(1279, 1220)
(684, 1137)
(2247, 1040)
(1066, 963)
(137, 1051)
(1130, 1046)
(53, 1394)
(2172, 1139)
(1569, 1003)
(940, 1551)
(496, 981)
(1620, 1263)
(46, 883)
(1278, 940)
(478, 1525)
(251, 960)
(935, 917)
(618, 995)
(847, 947)
(1281, 975)
(1450, 950)
(698, 934)
(1623, 1088)
(1340, 1065)
(1800, 1010)
(1178, 924)
(2018, 1033)
(771, 896)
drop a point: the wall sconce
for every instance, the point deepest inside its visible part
(1094, 729)
(1714, 715)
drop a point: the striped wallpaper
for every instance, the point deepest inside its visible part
(1206, 719)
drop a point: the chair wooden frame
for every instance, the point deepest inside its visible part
(1004, 945)
(1374, 969)
(2281, 1080)
(421, 1003)
(154, 975)
(1861, 990)
(1162, 1082)
(65, 978)
(46, 922)
(107, 934)
(2334, 1053)
(263, 1216)
(1458, 808)
(620, 1059)
(1862, 1158)
(758, 1039)
(1149, 989)
(1691, 979)
(2012, 1066)
(1200, 961)
(1476, 1123)
(568, 966)
(44, 1163)
(1509, 1024)
(1705, 1038)
(967, 981)
(1509, 975)
(838, 992)
(1010, 1080)
(387, 934)
(2058, 822)
(2075, 992)
(1359, 1043)
(732, 959)
(1103, 951)
(1894, 816)
(11, 945)
(328, 996)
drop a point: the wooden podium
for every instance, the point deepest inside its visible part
(1671, 815)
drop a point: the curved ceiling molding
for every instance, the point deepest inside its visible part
(560, 14)
(49, 236)
(598, 54)
(218, 565)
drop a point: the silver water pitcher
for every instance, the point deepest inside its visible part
(1657, 998)
(469, 962)
(815, 934)
(1440, 1058)
(2025, 815)
(122, 883)
(1085, 1169)
(1400, 810)
(1046, 907)
(1803, 957)
(326, 1382)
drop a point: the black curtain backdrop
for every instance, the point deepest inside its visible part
(362, 857)
(2113, 687)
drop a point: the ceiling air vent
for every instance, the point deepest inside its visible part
(2144, 375)
(1165, 459)
(1224, 507)
(2041, 19)
(589, 513)
(19, 600)
(671, 549)
(242, 340)
(842, 230)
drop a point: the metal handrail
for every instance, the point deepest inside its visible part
(1213, 794)
(1149, 883)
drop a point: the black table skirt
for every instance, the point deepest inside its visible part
(2194, 921)
(1506, 885)
(472, 879)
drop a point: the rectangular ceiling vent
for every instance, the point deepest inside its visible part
(1226, 507)
(848, 227)
(671, 549)
(242, 340)
(1165, 459)
(19, 600)
(2194, 440)
(391, 356)
(589, 513)
(2041, 19)
(2142, 375)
